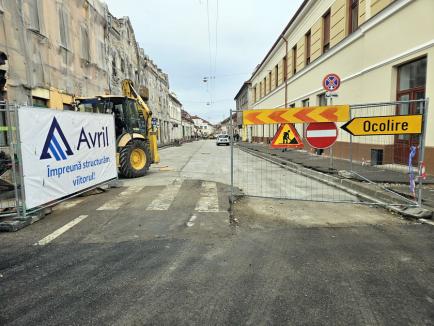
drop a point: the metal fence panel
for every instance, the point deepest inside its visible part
(10, 177)
(12, 190)
(381, 161)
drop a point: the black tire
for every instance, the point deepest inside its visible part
(126, 167)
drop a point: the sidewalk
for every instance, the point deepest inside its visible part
(392, 179)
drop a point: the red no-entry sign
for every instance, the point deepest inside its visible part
(321, 135)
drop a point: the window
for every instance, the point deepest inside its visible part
(269, 80)
(85, 46)
(322, 100)
(326, 32)
(294, 60)
(285, 68)
(254, 93)
(68, 107)
(411, 86)
(412, 75)
(63, 28)
(307, 47)
(292, 105)
(122, 65)
(40, 102)
(102, 54)
(353, 16)
(305, 103)
(276, 75)
(114, 72)
(34, 16)
(265, 86)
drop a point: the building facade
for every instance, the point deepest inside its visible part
(189, 131)
(383, 51)
(204, 127)
(157, 82)
(224, 127)
(175, 107)
(242, 103)
(57, 50)
(50, 53)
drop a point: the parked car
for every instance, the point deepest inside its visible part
(223, 140)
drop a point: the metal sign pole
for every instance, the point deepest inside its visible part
(331, 148)
(351, 144)
(231, 137)
(20, 162)
(422, 150)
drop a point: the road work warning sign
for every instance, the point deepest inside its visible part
(286, 137)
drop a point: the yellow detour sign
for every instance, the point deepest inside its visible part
(388, 125)
(286, 137)
(333, 113)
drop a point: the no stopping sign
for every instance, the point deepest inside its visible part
(331, 82)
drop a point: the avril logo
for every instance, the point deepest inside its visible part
(53, 147)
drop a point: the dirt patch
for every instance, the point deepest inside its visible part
(258, 212)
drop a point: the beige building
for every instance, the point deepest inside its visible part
(383, 50)
(242, 103)
(189, 131)
(60, 49)
(175, 107)
(204, 127)
(158, 84)
(50, 53)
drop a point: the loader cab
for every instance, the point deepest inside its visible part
(128, 119)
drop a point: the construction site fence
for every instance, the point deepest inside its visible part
(12, 190)
(391, 163)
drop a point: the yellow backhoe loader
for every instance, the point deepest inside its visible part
(136, 136)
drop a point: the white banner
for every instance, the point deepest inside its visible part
(64, 152)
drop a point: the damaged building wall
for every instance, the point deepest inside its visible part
(51, 54)
(122, 53)
(65, 48)
(158, 84)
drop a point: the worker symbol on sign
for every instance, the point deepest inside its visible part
(286, 137)
(331, 82)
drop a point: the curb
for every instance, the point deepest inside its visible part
(373, 196)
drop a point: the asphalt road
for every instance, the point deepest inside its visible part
(161, 251)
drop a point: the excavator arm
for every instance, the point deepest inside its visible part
(128, 90)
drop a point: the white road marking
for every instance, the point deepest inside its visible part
(117, 202)
(208, 201)
(321, 133)
(426, 221)
(165, 198)
(190, 222)
(60, 231)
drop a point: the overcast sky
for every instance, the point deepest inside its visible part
(174, 33)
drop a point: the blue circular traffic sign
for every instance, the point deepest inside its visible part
(331, 82)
